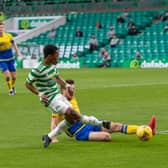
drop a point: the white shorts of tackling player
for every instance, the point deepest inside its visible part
(59, 104)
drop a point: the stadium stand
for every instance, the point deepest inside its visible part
(150, 40)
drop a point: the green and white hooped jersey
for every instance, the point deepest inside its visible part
(44, 79)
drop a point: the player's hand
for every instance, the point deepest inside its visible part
(44, 99)
(20, 57)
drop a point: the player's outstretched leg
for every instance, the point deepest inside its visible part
(93, 120)
(46, 140)
(152, 124)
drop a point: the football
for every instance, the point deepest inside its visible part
(144, 133)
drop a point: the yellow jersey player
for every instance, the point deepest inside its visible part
(88, 132)
(7, 60)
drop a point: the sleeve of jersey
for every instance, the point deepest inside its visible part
(31, 77)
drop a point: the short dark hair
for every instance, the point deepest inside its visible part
(70, 81)
(49, 50)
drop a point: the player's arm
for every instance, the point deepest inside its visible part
(61, 81)
(69, 93)
(65, 86)
(31, 87)
(17, 50)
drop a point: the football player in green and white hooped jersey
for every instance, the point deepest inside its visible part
(43, 81)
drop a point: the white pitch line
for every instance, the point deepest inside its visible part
(123, 85)
(162, 132)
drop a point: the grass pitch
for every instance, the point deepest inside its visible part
(122, 95)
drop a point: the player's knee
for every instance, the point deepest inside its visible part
(107, 137)
(68, 111)
(72, 115)
(13, 78)
(7, 78)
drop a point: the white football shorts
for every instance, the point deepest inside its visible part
(59, 104)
